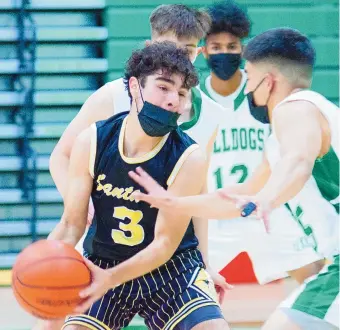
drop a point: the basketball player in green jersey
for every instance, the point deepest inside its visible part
(300, 168)
(238, 151)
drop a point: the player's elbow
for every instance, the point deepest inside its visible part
(302, 165)
(166, 247)
(56, 158)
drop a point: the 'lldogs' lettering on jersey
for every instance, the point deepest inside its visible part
(239, 139)
(115, 192)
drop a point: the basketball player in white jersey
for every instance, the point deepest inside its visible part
(238, 151)
(184, 26)
(300, 169)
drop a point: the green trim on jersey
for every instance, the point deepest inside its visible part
(307, 228)
(240, 97)
(196, 100)
(204, 88)
(320, 293)
(326, 175)
(238, 100)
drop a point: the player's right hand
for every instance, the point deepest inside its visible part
(221, 285)
(157, 196)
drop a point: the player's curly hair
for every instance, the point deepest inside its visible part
(228, 16)
(160, 56)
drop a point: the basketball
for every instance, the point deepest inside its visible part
(47, 278)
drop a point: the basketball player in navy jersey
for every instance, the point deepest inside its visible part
(128, 237)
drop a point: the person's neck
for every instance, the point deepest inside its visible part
(135, 142)
(226, 87)
(278, 96)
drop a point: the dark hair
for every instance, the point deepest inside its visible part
(160, 56)
(184, 21)
(285, 48)
(228, 16)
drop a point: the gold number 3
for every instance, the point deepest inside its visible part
(137, 232)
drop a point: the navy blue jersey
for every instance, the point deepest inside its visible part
(123, 226)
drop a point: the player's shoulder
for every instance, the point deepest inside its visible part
(189, 158)
(209, 104)
(117, 84)
(120, 97)
(181, 144)
(197, 155)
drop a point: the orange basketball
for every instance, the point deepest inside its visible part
(47, 277)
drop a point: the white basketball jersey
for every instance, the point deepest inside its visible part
(316, 206)
(205, 119)
(239, 145)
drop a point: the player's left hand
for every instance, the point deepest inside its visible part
(221, 285)
(263, 209)
(156, 195)
(101, 283)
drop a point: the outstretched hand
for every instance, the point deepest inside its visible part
(261, 212)
(157, 196)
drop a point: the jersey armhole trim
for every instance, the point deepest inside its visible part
(93, 149)
(180, 163)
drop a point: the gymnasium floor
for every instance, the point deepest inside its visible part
(12, 317)
(246, 307)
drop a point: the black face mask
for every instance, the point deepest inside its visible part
(259, 112)
(155, 120)
(224, 65)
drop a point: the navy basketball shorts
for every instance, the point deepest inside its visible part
(178, 295)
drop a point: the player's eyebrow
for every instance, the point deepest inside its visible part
(184, 89)
(191, 45)
(170, 81)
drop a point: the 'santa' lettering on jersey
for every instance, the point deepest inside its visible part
(239, 139)
(115, 192)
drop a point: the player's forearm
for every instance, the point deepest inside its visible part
(288, 178)
(59, 165)
(67, 233)
(152, 257)
(206, 206)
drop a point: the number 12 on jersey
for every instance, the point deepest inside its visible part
(239, 170)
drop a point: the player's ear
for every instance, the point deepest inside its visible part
(270, 81)
(134, 87)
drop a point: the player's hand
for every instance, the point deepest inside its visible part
(90, 213)
(263, 209)
(101, 283)
(221, 285)
(157, 196)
